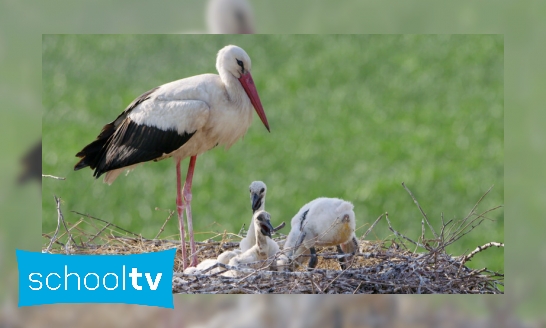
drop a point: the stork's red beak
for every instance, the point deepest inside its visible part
(248, 84)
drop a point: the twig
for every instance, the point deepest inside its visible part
(454, 238)
(357, 287)
(479, 201)
(60, 215)
(279, 227)
(74, 226)
(495, 273)
(54, 234)
(462, 231)
(94, 218)
(420, 209)
(52, 177)
(398, 234)
(171, 213)
(98, 233)
(444, 225)
(371, 227)
(423, 231)
(479, 249)
(422, 234)
(462, 224)
(242, 230)
(315, 285)
(49, 237)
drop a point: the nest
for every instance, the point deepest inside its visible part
(380, 267)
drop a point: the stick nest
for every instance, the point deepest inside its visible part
(380, 267)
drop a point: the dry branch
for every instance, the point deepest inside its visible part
(479, 249)
(52, 177)
(371, 227)
(420, 209)
(171, 213)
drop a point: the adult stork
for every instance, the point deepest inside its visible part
(230, 17)
(179, 119)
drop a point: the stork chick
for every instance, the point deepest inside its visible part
(226, 256)
(205, 264)
(202, 266)
(322, 222)
(260, 251)
(258, 190)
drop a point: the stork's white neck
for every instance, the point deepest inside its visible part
(234, 89)
(251, 233)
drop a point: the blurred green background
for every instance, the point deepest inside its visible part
(351, 116)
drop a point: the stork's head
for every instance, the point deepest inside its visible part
(235, 61)
(230, 17)
(262, 223)
(257, 191)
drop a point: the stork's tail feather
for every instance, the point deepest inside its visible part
(91, 154)
(81, 164)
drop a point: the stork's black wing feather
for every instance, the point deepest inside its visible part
(123, 142)
(134, 143)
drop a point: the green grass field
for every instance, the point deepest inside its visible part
(351, 116)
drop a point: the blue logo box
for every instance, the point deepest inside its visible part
(144, 279)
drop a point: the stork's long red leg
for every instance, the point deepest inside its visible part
(180, 209)
(187, 201)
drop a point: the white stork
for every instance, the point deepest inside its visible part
(322, 222)
(179, 119)
(230, 17)
(260, 250)
(258, 190)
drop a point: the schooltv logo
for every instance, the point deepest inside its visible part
(144, 279)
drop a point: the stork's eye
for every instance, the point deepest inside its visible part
(240, 63)
(262, 190)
